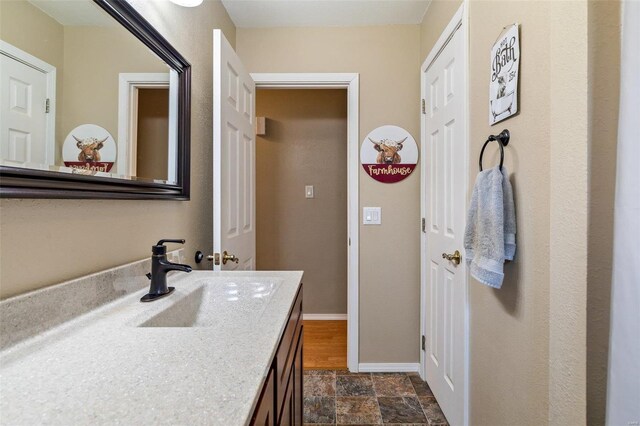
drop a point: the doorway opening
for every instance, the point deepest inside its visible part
(349, 83)
(301, 208)
(152, 125)
(147, 106)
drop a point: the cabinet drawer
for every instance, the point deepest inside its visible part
(286, 350)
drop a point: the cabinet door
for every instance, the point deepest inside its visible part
(298, 387)
(286, 416)
(264, 414)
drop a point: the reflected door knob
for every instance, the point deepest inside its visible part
(456, 257)
(226, 257)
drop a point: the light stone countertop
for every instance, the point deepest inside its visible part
(121, 364)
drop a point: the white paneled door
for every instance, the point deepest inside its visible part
(444, 208)
(234, 212)
(24, 130)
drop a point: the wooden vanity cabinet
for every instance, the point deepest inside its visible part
(265, 412)
(282, 395)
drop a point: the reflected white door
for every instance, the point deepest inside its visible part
(234, 151)
(24, 134)
(444, 209)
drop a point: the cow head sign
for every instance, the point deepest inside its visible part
(89, 149)
(388, 150)
(389, 154)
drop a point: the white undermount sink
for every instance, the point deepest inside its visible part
(195, 307)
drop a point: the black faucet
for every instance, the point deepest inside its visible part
(159, 268)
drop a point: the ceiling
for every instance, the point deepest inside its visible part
(320, 13)
(75, 12)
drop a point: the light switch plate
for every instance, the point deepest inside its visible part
(371, 215)
(308, 191)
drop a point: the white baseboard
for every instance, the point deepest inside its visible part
(390, 367)
(324, 317)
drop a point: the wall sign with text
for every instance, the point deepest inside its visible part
(505, 63)
(89, 148)
(389, 154)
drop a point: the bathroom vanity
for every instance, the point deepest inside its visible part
(224, 349)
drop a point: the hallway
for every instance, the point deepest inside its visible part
(325, 345)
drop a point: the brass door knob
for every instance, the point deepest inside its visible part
(226, 257)
(456, 257)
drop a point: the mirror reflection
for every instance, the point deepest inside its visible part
(80, 94)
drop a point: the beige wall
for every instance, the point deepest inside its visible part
(17, 20)
(387, 60)
(43, 242)
(435, 21)
(509, 328)
(305, 144)
(153, 133)
(570, 138)
(93, 59)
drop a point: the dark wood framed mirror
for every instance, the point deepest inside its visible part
(58, 178)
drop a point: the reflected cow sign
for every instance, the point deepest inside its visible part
(89, 148)
(389, 154)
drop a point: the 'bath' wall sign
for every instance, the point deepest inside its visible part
(505, 63)
(389, 154)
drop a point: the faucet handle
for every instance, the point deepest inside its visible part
(160, 249)
(161, 242)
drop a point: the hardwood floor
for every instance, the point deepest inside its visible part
(325, 345)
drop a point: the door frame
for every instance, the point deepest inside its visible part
(49, 70)
(459, 22)
(128, 85)
(349, 81)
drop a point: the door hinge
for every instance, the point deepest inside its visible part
(424, 106)
(424, 343)
(424, 225)
(47, 106)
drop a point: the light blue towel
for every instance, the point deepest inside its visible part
(490, 236)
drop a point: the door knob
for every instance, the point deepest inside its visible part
(456, 257)
(226, 257)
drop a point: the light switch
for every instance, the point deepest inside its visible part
(371, 215)
(308, 191)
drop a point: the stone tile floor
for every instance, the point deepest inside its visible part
(340, 397)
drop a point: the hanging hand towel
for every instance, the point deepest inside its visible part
(490, 236)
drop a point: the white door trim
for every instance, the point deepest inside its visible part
(128, 85)
(349, 81)
(49, 70)
(459, 22)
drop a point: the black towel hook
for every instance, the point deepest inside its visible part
(503, 139)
